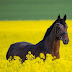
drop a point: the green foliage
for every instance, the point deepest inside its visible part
(34, 9)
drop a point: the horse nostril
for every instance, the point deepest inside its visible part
(65, 40)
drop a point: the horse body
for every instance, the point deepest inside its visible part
(50, 43)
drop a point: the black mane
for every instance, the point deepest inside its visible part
(62, 21)
(49, 30)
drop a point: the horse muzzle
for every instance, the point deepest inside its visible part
(65, 41)
(64, 37)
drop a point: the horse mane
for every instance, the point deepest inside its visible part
(49, 30)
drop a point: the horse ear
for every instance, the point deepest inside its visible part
(58, 17)
(64, 17)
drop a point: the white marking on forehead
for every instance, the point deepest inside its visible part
(62, 24)
(57, 23)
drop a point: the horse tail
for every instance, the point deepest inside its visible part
(11, 48)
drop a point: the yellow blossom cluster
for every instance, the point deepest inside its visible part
(32, 31)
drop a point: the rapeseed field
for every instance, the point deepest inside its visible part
(32, 31)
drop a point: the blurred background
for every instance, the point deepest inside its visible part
(34, 9)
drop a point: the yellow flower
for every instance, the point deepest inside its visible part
(32, 31)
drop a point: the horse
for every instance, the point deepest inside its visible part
(49, 44)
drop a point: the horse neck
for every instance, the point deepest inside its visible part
(40, 44)
(51, 43)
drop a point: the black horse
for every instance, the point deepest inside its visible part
(50, 43)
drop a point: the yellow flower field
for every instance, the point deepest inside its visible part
(33, 32)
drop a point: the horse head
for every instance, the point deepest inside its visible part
(61, 29)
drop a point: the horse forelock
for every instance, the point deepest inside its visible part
(62, 21)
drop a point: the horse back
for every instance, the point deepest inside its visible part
(16, 46)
